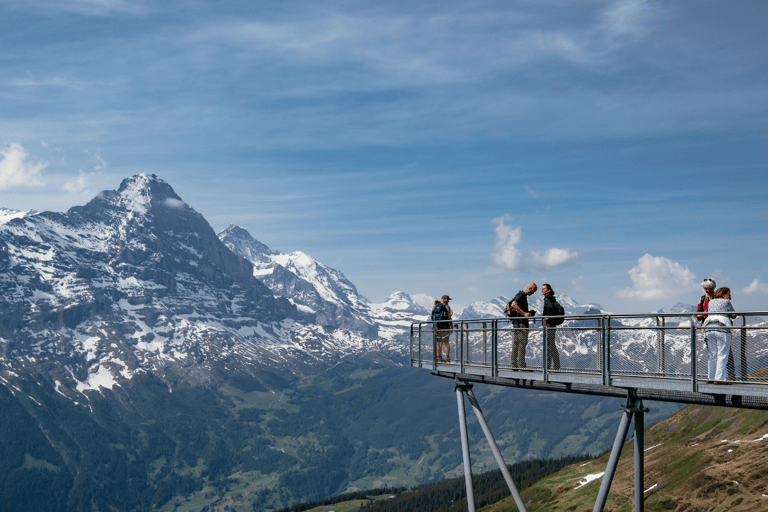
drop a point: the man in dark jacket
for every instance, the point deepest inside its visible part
(553, 356)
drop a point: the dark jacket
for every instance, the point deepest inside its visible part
(549, 308)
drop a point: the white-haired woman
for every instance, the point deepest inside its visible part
(718, 334)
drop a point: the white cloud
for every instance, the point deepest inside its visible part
(424, 300)
(15, 170)
(656, 277)
(756, 286)
(553, 257)
(628, 18)
(176, 204)
(77, 185)
(506, 253)
(100, 163)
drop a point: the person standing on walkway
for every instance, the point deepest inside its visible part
(518, 310)
(550, 309)
(709, 293)
(440, 313)
(717, 326)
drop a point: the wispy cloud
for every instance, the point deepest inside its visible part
(78, 185)
(90, 7)
(506, 253)
(656, 277)
(16, 170)
(756, 286)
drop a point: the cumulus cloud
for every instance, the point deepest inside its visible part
(506, 253)
(656, 277)
(756, 286)
(15, 170)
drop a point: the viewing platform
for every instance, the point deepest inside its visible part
(660, 356)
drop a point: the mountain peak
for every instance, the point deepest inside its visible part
(142, 191)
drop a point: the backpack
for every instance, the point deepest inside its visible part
(439, 313)
(559, 310)
(509, 311)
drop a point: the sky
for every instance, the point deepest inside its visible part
(615, 149)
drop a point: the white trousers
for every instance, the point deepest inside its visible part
(719, 345)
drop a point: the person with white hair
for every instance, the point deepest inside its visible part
(709, 293)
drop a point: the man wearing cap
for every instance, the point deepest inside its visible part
(442, 311)
(518, 309)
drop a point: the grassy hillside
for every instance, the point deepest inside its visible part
(700, 459)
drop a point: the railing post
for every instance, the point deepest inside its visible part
(485, 342)
(606, 336)
(744, 370)
(494, 348)
(462, 356)
(545, 350)
(662, 355)
(694, 355)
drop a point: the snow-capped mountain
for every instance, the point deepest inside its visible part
(136, 281)
(324, 293)
(6, 214)
(395, 316)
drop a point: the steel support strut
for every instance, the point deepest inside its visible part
(634, 408)
(495, 449)
(461, 388)
(465, 447)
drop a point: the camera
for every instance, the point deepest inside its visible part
(532, 312)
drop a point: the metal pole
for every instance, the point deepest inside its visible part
(545, 350)
(743, 338)
(495, 449)
(694, 356)
(610, 470)
(639, 456)
(494, 348)
(465, 448)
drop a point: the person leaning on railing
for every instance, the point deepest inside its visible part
(717, 328)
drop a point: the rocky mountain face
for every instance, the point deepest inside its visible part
(325, 294)
(137, 281)
(134, 281)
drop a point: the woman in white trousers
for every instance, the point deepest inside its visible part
(717, 326)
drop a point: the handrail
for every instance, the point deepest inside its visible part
(649, 350)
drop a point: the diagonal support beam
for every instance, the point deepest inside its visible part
(495, 449)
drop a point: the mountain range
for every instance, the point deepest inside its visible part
(149, 363)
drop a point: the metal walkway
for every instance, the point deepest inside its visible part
(659, 357)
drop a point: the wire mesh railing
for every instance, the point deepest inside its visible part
(662, 351)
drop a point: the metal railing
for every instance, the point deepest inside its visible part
(653, 351)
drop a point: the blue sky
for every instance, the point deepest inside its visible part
(615, 149)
